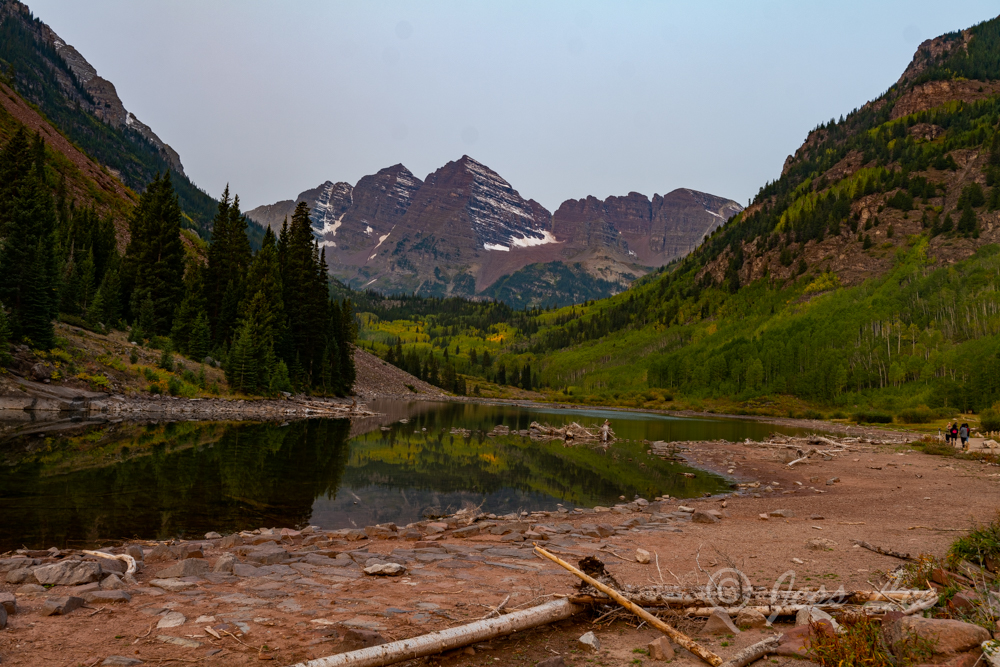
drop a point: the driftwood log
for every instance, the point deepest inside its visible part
(884, 551)
(445, 640)
(752, 652)
(676, 635)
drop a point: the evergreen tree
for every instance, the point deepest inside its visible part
(229, 258)
(201, 337)
(189, 309)
(241, 369)
(154, 260)
(968, 223)
(305, 295)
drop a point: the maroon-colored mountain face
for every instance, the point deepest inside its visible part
(463, 227)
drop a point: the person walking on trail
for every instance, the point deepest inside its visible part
(963, 433)
(953, 434)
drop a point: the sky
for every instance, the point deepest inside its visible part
(562, 99)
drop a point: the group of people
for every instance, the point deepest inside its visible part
(955, 432)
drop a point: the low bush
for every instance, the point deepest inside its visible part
(812, 414)
(860, 643)
(174, 385)
(918, 415)
(989, 420)
(871, 418)
(981, 546)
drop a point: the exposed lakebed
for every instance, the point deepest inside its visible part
(101, 483)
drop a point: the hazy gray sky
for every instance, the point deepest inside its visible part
(563, 99)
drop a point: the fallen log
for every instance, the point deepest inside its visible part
(752, 652)
(677, 636)
(445, 640)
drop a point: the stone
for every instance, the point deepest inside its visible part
(949, 636)
(120, 661)
(808, 615)
(68, 573)
(21, 575)
(412, 535)
(832, 481)
(751, 618)
(364, 638)
(106, 597)
(30, 589)
(660, 649)
(784, 514)
(230, 541)
(642, 556)
(178, 641)
(160, 553)
(3, 618)
(385, 569)
(189, 567)
(719, 623)
(135, 551)
(172, 619)
(820, 544)
(704, 517)
(192, 552)
(552, 661)
(112, 565)
(795, 642)
(225, 564)
(212, 536)
(685, 509)
(268, 556)
(380, 532)
(468, 531)
(435, 527)
(172, 585)
(112, 582)
(355, 534)
(8, 602)
(591, 641)
(61, 606)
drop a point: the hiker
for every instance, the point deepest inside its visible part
(953, 434)
(963, 433)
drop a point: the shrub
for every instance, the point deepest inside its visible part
(133, 356)
(918, 415)
(150, 374)
(989, 420)
(166, 359)
(871, 418)
(155, 389)
(860, 643)
(812, 414)
(980, 546)
(174, 385)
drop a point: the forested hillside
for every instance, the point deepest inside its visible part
(865, 277)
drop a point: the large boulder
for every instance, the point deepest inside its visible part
(948, 636)
(61, 606)
(68, 573)
(719, 623)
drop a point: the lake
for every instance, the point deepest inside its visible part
(101, 483)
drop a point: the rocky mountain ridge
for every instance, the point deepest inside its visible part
(464, 227)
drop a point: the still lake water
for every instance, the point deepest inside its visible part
(97, 484)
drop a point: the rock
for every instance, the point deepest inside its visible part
(820, 544)
(112, 565)
(719, 623)
(244, 570)
(178, 641)
(380, 532)
(39, 372)
(468, 531)
(963, 602)
(364, 638)
(688, 510)
(435, 527)
(784, 514)
(112, 582)
(751, 618)
(135, 551)
(642, 556)
(808, 615)
(30, 589)
(704, 517)
(591, 641)
(385, 569)
(189, 567)
(3, 618)
(230, 541)
(832, 481)
(795, 642)
(660, 649)
(553, 661)
(268, 556)
(949, 636)
(172, 619)
(171, 585)
(8, 602)
(355, 534)
(21, 575)
(120, 661)
(68, 573)
(225, 564)
(192, 552)
(106, 597)
(212, 536)
(61, 606)
(160, 553)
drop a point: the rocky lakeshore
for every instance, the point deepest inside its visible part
(293, 595)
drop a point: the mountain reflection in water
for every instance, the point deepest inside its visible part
(97, 484)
